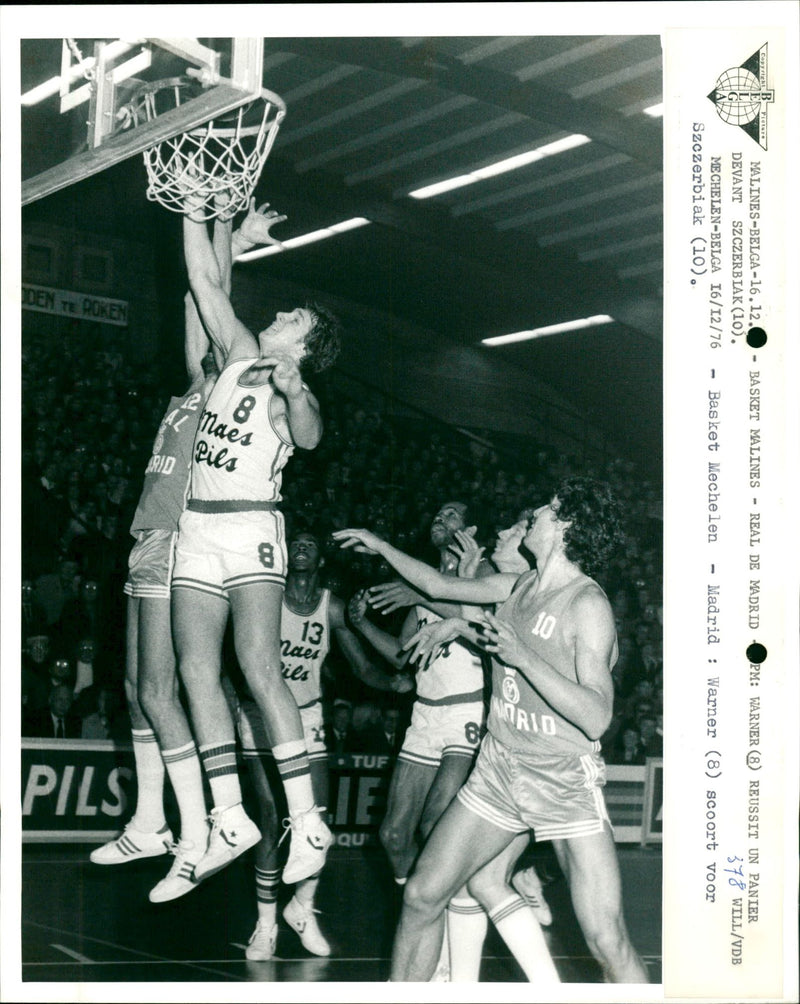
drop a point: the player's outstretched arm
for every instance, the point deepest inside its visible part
(386, 645)
(208, 287)
(489, 589)
(360, 664)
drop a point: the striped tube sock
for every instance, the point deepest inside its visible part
(467, 924)
(267, 883)
(149, 815)
(186, 778)
(291, 760)
(520, 930)
(222, 771)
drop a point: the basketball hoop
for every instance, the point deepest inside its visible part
(223, 157)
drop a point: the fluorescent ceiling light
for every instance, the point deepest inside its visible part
(552, 329)
(73, 73)
(309, 238)
(501, 166)
(655, 110)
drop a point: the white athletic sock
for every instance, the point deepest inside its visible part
(149, 815)
(467, 924)
(186, 778)
(291, 759)
(305, 891)
(442, 971)
(520, 930)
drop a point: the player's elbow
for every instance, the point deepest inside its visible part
(307, 441)
(600, 721)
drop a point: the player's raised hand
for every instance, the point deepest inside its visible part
(357, 607)
(391, 596)
(285, 375)
(255, 227)
(500, 638)
(362, 541)
(425, 645)
(466, 549)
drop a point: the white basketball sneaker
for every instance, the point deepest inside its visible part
(180, 879)
(311, 839)
(261, 946)
(232, 833)
(301, 919)
(132, 845)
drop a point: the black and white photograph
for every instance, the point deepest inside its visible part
(474, 320)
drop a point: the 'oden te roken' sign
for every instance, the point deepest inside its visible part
(80, 306)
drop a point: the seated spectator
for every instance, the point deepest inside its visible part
(84, 664)
(104, 716)
(60, 671)
(55, 588)
(393, 731)
(58, 720)
(651, 742)
(338, 733)
(35, 664)
(629, 748)
(34, 621)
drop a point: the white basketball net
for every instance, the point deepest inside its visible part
(213, 160)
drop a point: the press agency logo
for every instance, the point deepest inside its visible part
(741, 96)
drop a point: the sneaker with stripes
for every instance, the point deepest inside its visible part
(132, 845)
(309, 845)
(232, 833)
(180, 879)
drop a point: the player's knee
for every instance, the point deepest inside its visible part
(393, 838)
(607, 940)
(156, 695)
(481, 884)
(420, 896)
(198, 674)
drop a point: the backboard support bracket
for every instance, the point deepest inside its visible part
(105, 146)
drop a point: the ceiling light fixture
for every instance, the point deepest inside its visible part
(656, 111)
(309, 238)
(501, 166)
(552, 329)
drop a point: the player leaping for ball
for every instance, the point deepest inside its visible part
(231, 556)
(161, 735)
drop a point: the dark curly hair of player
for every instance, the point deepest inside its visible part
(324, 340)
(596, 517)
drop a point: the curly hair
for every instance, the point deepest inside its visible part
(595, 516)
(324, 340)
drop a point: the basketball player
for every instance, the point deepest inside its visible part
(310, 615)
(231, 555)
(553, 644)
(489, 894)
(447, 717)
(160, 731)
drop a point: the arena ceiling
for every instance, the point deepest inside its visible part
(569, 236)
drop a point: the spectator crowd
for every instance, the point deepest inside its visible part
(89, 417)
